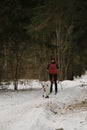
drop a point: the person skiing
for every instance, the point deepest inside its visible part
(52, 70)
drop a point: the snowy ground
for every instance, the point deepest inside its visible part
(28, 110)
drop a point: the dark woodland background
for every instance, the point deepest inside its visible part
(31, 31)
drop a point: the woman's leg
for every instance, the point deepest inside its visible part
(51, 87)
(51, 83)
(55, 81)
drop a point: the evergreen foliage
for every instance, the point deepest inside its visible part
(32, 31)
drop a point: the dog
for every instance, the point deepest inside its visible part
(45, 89)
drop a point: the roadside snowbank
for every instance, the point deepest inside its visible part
(26, 109)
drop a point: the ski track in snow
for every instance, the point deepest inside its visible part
(28, 110)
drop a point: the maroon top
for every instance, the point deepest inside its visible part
(52, 68)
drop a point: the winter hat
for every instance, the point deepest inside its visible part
(52, 58)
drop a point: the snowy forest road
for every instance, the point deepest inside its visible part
(28, 110)
(14, 105)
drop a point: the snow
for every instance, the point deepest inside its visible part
(26, 109)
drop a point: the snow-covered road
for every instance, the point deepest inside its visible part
(28, 110)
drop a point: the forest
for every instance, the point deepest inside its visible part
(33, 31)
